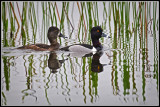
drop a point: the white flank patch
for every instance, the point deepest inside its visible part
(94, 49)
(79, 48)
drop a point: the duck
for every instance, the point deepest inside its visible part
(96, 34)
(53, 33)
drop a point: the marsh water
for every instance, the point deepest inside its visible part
(126, 72)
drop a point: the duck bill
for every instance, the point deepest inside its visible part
(104, 35)
(61, 35)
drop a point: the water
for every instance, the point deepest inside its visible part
(125, 73)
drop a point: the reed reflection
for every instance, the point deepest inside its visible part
(96, 67)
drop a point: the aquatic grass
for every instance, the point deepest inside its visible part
(5, 25)
(95, 13)
(62, 16)
(86, 14)
(113, 7)
(24, 27)
(4, 99)
(89, 16)
(6, 71)
(16, 21)
(154, 14)
(156, 57)
(21, 21)
(81, 24)
(104, 15)
(54, 13)
(19, 11)
(46, 20)
(57, 12)
(66, 12)
(43, 21)
(109, 19)
(127, 20)
(33, 20)
(79, 27)
(12, 22)
(50, 13)
(83, 7)
(89, 7)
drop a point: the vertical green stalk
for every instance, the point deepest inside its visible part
(97, 14)
(90, 18)
(85, 9)
(62, 16)
(127, 20)
(104, 15)
(33, 20)
(24, 28)
(154, 14)
(5, 25)
(12, 23)
(6, 71)
(50, 13)
(43, 21)
(54, 14)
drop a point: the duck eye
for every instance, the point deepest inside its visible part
(97, 30)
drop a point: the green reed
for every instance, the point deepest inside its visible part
(89, 16)
(85, 15)
(5, 25)
(62, 16)
(12, 21)
(89, 4)
(49, 4)
(80, 21)
(24, 27)
(4, 99)
(43, 21)
(33, 19)
(6, 71)
(105, 15)
(154, 14)
(54, 14)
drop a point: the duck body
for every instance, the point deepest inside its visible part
(41, 47)
(96, 34)
(78, 48)
(53, 33)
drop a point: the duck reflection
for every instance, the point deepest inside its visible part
(96, 66)
(79, 54)
(54, 63)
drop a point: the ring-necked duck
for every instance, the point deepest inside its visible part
(96, 34)
(53, 33)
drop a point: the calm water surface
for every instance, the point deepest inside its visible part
(125, 73)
